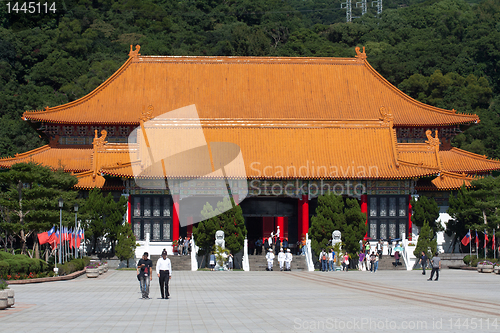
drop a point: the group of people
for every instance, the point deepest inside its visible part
(183, 246)
(435, 263)
(145, 274)
(284, 259)
(228, 261)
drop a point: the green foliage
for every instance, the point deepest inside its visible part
(426, 242)
(486, 194)
(29, 199)
(73, 266)
(103, 216)
(463, 214)
(333, 214)
(231, 221)
(126, 245)
(425, 210)
(220, 254)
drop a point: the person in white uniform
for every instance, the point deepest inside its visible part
(270, 259)
(164, 272)
(281, 259)
(288, 259)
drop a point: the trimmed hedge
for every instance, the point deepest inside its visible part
(20, 264)
(475, 260)
(73, 266)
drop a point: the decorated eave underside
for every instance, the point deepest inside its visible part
(348, 150)
(248, 90)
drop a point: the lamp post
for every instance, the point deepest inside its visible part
(74, 232)
(61, 203)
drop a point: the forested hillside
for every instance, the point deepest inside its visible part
(442, 52)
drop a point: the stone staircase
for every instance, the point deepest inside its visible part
(259, 263)
(386, 263)
(179, 263)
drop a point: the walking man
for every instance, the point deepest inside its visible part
(331, 256)
(164, 272)
(270, 259)
(144, 267)
(436, 266)
(288, 259)
(423, 262)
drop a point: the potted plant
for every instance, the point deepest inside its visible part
(4, 295)
(496, 269)
(92, 270)
(485, 267)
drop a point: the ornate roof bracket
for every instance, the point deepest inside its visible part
(360, 55)
(98, 144)
(132, 53)
(388, 119)
(433, 143)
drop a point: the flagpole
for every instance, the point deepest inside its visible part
(470, 247)
(477, 246)
(484, 244)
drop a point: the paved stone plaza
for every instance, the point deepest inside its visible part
(387, 301)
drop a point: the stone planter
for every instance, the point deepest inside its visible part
(92, 272)
(10, 300)
(479, 268)
(487, 269)
(101, 270)
(105, 267)
(496, 270)
(4, 297)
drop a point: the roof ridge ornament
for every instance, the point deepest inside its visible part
(432, 141)
(133, 54)
(360, 55)
(147, 115)
(386, 115)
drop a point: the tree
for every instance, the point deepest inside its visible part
(426, 242)
(486, 193)
(126, 245)
(463, 212)
(425, 209)
(332, 214)
(231, 221)
(29, 200)
(103, 216)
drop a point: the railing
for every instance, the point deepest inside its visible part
(194, 254)
(245, 264)
(309, 261)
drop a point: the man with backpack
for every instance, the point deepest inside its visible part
(323, 258)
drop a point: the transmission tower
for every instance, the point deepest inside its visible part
(348, 10)
(379, 6)
(363, 6)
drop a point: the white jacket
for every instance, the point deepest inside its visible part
(270, 256)
(288, 257)
(281, 256)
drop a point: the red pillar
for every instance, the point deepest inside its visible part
(189, 226)
(280, 222)
(410, 226)
(236, 198)
(364, 209)
(129, 209)
(305, 214)
(299, 224)
(175, 222)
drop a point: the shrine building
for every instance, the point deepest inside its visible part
(302, 126)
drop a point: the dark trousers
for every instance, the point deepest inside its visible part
(423, 269)
(435, 269)
(164, 277)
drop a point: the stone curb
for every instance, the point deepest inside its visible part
(48, 279)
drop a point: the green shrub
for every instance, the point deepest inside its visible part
(4, 269)
(5, 255)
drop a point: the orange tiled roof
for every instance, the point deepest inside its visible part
(248, 89)
(454, 160)
(356, 152)
(71, 160)
(445, 181)
(458, 160)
